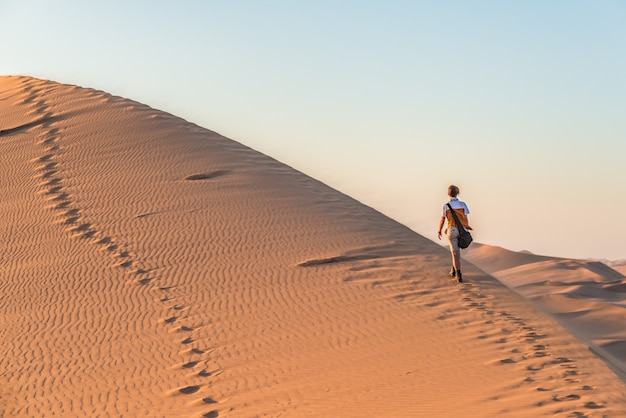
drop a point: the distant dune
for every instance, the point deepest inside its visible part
(587, 297)
(151, 267)
(619, 265)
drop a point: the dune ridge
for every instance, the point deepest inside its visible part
(151, 267)
(617, 265)
(588, 297)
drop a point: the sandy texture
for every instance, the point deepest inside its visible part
(154, 268)
(619, 265)
(587, 297)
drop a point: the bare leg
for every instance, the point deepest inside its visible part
(456, 260)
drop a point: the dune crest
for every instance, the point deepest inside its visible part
(151, 267)
(587, 297)
(618, 265)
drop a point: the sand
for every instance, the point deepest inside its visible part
(585, 296)
(151, 267)
(619, 265)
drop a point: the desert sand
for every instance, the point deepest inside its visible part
(151, 267)
(619, 265)
(585, 296)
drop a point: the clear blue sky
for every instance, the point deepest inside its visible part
(520, 103)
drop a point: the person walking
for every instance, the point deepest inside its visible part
(452, 231)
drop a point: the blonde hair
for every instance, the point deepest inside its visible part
(453, 191)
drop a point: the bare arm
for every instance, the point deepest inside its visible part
(441, 222)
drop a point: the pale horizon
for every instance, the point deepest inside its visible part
(519, 104)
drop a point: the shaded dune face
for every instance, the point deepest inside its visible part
(587, 297)
(151, 267)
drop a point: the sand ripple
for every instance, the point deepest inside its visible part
(151, 267)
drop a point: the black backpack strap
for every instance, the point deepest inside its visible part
(456, 219)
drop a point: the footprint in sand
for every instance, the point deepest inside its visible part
(533, 336)
(540, 350)
(50, 182)
(571, 397)
(206, 176)
(49, 172)
(192, 351)
(60, 205)
(183, 328)
(48, 166)
(71, 212)
(561, 360)
(80, 228)
(477, 305)
(59, 197)
(53, 190)
(188, 390)
(70, 220)
(44, 158)
(104, 241)
(88, 234)
(190, 364)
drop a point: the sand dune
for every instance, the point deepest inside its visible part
(587, 297)
(153, 268)
(618, 265)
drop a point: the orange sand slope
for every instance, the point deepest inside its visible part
(587, 297)
(151, 267)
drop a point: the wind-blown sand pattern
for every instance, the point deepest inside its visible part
(587, 297)
(151, 267)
